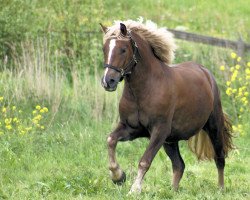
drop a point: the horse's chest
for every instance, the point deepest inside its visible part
(133, 115)
(137, 118)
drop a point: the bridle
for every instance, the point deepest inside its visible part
(124, 71)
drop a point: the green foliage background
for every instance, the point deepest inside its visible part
(50, 55)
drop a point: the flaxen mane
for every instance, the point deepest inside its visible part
(161, 40)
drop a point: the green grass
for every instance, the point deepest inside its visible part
(71, 163)
(215, 18)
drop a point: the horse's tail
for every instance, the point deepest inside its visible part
(227, 135)
(200, 144)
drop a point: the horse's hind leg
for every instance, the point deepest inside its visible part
(178, 165)
(214, 128)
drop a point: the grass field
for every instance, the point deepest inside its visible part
(68, 158)
(71, 163)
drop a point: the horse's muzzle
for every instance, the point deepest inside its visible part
(109, 86)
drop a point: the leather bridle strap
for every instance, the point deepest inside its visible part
(127, 69)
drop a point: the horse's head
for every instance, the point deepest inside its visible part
(119, 58)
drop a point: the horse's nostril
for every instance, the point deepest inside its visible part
(111, 82)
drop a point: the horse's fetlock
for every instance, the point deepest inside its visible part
(111, 141)
(144, 165)
(113, 167)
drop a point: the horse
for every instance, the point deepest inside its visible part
(161, 102)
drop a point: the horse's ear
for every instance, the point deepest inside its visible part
(104, 28)
(123, 29)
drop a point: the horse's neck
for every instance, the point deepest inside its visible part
(145, 73)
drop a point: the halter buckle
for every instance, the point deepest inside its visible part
(134, 57)
(122, 72)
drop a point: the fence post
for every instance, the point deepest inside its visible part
(240, 47)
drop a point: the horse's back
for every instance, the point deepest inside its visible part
(191, 75)
(190, 67)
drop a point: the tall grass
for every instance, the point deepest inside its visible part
(37, 75)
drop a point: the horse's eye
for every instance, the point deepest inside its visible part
(123, 50)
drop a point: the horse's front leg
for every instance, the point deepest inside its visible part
(121, 133)
(158, 136)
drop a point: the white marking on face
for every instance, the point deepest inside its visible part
(105, 74)
(112, 44)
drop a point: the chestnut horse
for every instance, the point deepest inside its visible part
(165, 104)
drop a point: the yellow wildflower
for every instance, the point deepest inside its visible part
(38, 107)
(38, 117)
(247, 71)
(248, 64)
(34, 112)
(240, 126)
(41, 111)
(240, 93)
(35, 121)
(13, 108)
(231, 69)
(228, 83)
(229, 91)
(233, 55)
(239, 59)
(1, 98)
(234, 75)
(45, 109)
(42, 127)
(246, 94)
(8, 121)
(4, 110)
(9, 127)
(1, 133)
(222, 68)
(241, 109)
(237, 67)
(244, 100)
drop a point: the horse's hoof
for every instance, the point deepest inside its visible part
(121, 180)
(135, 189)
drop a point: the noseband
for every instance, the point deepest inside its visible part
(128, 68)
